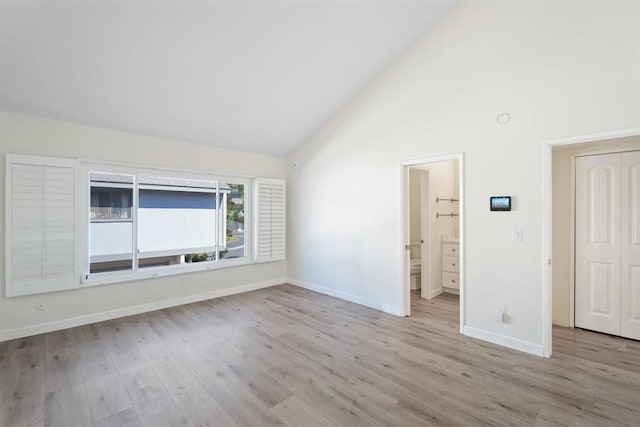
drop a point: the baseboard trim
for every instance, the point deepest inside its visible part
(42, 328)
(505, 341)
(435, 293)
(387, 308)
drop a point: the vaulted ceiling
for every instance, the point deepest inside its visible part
(253, 76)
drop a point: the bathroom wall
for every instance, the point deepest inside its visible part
(415, 212)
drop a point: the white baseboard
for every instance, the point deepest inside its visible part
(434, 293)
(510, 342)
(387, 308)
(128, 311)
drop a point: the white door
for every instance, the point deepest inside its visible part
(598, 249)
(630, 239)
(608, 243)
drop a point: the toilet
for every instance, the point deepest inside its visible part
(416, 270)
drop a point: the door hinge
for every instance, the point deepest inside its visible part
(407, 247)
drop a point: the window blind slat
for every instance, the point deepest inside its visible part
(40, 224)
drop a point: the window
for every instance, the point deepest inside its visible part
(111, 222)
(111, 197)
(234, 242)
(72, 222)
(153, 220)
(178, 221)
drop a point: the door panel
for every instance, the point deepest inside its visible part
(630, 241)
(598, 243)
(600, 206)
(600, 279)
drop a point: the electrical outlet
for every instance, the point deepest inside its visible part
(500, 314)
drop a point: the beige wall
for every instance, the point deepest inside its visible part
(561, 197)
(562, 219)
(551, 65)
(39, 136)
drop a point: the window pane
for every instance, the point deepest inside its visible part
(176, 221)
(111, 227)
(110, 203)
(232, 221)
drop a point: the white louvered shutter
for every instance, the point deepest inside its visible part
(40, 224)
(269, 219)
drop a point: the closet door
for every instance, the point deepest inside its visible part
(630, 240)
(598, 249)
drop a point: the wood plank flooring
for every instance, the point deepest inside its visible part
(291, 357)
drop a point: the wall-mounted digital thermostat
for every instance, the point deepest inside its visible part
(500, 203)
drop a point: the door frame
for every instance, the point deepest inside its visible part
(547, 220)
(423, 183)
(425, 281)
(405, 209)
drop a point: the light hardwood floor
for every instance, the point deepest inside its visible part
(288, 356)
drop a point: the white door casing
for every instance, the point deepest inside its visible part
(598, 249)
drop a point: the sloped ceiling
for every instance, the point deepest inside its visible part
(253, 76)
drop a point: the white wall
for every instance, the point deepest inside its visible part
(559, 69)
(38, 136)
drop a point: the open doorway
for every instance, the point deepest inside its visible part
(559, 291)
(433, 205)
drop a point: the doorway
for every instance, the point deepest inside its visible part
(433, 261)
(558, 221)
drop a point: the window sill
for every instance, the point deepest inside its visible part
(97, 279)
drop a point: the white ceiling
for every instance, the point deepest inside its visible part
(254, 76)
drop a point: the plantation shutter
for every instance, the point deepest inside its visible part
(40, 224)
(270, 221)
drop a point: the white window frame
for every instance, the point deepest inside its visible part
(91, 279)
